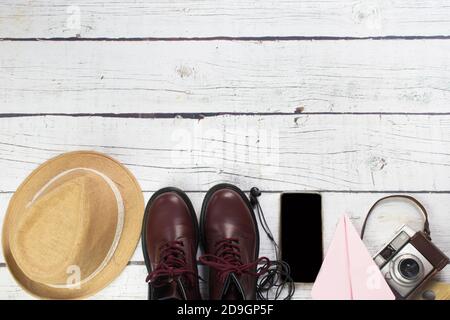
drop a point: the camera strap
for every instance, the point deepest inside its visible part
(426, 225)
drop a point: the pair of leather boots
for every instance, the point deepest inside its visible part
(229, 237)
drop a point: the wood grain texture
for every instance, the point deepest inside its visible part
(301, 152)
(354, 119)
(237, 18)
(380, 228)
(223, 76)
(131, 285)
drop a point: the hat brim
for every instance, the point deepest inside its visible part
(134, 211)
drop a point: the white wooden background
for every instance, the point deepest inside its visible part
(349, 98)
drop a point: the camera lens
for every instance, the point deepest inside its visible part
(409, 268)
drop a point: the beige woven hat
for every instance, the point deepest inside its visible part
(72, 226)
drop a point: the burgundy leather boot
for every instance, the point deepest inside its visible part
(169, 242)
(230, 240)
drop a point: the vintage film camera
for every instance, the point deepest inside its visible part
(409, 259)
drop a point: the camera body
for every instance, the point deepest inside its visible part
(408, 260)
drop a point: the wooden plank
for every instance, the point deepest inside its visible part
(131, 285)
(224, 76)
(195, 18)
(301, 152)
(355, 205)
(380, 228)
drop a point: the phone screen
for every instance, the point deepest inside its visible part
(301, 234)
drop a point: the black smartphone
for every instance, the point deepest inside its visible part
(301, 234)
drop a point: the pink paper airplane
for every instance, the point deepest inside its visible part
(348, 271)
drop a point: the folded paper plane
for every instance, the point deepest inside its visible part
(348, 271)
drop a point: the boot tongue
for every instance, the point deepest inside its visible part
(171, 291)
(232, 289)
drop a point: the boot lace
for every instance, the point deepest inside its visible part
(227, 259)
(172, 264)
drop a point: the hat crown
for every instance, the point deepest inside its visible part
(67, 230)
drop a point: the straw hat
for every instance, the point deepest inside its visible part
(72, 226)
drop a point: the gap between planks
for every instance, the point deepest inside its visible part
(431, 192)
(202, 115)
(226, 38)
